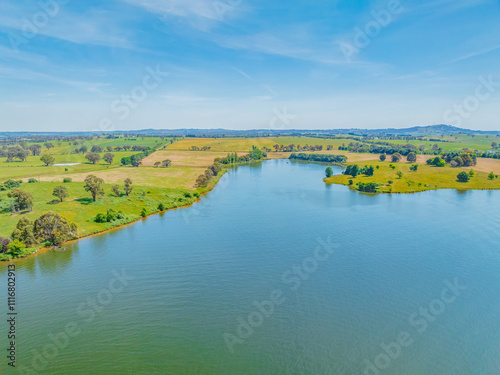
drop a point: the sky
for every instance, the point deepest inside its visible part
(68, 65)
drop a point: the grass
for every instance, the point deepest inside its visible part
(425, 178)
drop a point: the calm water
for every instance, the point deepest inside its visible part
(198, 271)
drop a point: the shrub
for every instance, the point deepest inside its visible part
(463, 177)
(351, 182)
(16, 247)
(161, 207)
(67, 180)
(100, 218)
(32, 181)
(491, 176)
(144, 212)
(196, 194)
(187, 195)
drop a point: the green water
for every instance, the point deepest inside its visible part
(347, 273)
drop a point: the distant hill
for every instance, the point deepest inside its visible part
(413, 131)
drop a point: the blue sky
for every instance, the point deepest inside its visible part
(246, 64)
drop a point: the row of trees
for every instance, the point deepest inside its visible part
(319, 158)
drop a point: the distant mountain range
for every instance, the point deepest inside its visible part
(413, 131)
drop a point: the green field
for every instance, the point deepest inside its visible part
(425, 178)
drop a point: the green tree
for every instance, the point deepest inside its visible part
(48, 159)
(49, 145)
(116, 190)
(383, 157)
(60, 192)
(108, 158)
(35, 149)
(329, 172)
(400, 174)
(93, 157)
(463, 177)
(471, 173)
(166, 163)
(16, 247)
(491, 176)
(54, 228)
(411, 157)
(23, 200)
(396, 157)
(24, 232)
(144, 212)
(128, 186)
(93, 184)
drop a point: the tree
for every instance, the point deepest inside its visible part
(23, 199)
(352, 170)
(421, 148)
(48, 159)
(400, 174)
(329, 172)
(463, 177)
(491, 176)
(93, 185)
(93, 157)
(396, 157)
(49, 145)
(471, 173)
(383, 157)
(116, 190)
(96, 149)
(24, 232)
(128, 186)
(108, 158)
(494, 145)
(60, 192)
(157, 164)
(54, 228)
(411, 157)
(414, 167)
(166, 163)
(3, 244)
(16, 247)
(35, 149)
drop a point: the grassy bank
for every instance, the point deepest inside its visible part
(425, 178)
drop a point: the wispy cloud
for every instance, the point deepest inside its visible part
(94, 26)
(476, 53)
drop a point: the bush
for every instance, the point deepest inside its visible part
(67, 180)
(100, 218)
(351, 182)
(32, 181)
(329, 172)
(463, 177)
(16, 247)
(144, 213)
(369, 187)
(187, 195)
(161, 207)
(196, 194)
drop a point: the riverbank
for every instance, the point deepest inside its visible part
(129, 220)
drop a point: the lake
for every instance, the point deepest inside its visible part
(273, 272)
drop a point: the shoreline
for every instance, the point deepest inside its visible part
(43, 250)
